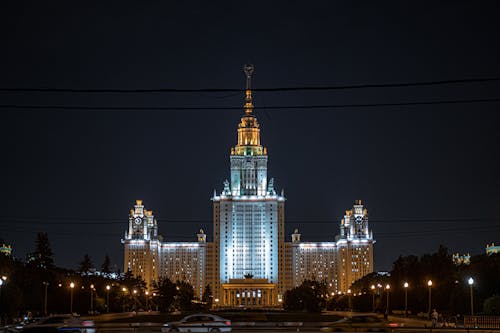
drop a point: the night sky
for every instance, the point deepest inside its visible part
(428, 174)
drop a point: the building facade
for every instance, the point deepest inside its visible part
(145, 255)
(249, 263)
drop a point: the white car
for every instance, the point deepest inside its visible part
(200, 322)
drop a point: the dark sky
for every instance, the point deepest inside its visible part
(427, 173)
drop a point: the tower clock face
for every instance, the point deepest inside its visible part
(138, 220)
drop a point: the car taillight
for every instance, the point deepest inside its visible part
(87, 323)
(228, 322)
(393, 324)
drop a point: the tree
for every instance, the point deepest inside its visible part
(86, 264)
(309, 296)
(185, 295)
(492, 305)
(42, 257)
(105, 268)
(166, 291)
(207, 297)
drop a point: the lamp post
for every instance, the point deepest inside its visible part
(46, 285)
(405, 285)
(91, 299)
(387, 289)
(349, 299)
(4, 278)
(471, 284)
(123, 302)
(135, 300)
(147, 296)
(107, 297)
(71, 287)
(429, 283)
(373, 297)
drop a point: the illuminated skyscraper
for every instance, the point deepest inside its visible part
(249, 263)
(248, 222)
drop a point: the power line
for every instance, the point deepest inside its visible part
(277, 89)
(58, 220)
(275, 107)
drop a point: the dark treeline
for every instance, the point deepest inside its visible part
(450, 291)
(39, 287)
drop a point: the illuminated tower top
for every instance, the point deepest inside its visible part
(248, 158)
(142, 224)
(248, 128)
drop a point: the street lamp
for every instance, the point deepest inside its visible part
(406, 298)
(471, 284)
(91, 299)
(71, 286)
(349, 299)
(107, 297)
(123, 303)
(135, 299)
(429, 283)
(4, 278)
(387, 289)
(46, 285)
(373, 297)
(147, 296)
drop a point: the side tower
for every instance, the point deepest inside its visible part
(141, 244)
(354, 246)
(248, 245)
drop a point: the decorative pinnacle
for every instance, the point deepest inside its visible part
(248, 69)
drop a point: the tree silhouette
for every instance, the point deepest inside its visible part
(86, 264)
(42, 257)
(207, 297)
(166, 291)
(105, 267)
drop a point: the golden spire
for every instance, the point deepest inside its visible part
(248, 69)
(248, 128)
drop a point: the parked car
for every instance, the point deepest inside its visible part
(201, 322)
(60, 323)
(370, 323)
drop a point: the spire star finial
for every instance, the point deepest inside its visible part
(248, 69)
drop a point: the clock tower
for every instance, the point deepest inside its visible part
(141, 244)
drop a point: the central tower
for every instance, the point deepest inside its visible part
(248, 157)
(248, 222)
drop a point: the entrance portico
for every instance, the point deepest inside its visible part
(249, 292)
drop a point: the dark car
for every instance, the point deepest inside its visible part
(370, 323)
(61, 323)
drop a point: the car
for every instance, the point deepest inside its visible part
(200, 322)
(370, 323)
(61, 323)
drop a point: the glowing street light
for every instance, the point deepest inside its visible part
(147, 296)
(71, 287)
(349, 299)
(2, 280)
(387, 289)
(135, 299)
(373, 297)
(123, 303)
(108, 287)
(429, 283)
(405, 285)
(471, 284)
(91, 299)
